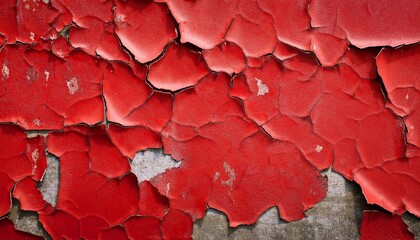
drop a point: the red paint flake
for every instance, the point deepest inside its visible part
(89, 178)
(28, 195)
(200, 30)
(273, 98)
(91, 226)
(60, 224)
(60, 87)
(113, 233)
(26, 21)
(151, 202)
(22, 162)
(176, 225)
(132, 102)
(131, 140)
(252, 29)
(143, 228)
(390, 24)
(400, 73)
(94, 36)
(177, 69)
(99, 9)
(377, 225)
(145, 36)
(226, 57)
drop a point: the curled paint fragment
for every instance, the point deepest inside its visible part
(177, 69)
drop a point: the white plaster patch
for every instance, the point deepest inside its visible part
(231, 174)
(262, 88)
(5, 72)
(46, 1)
(318, 148)
(72, 86)
(150, 163)
(32, 36)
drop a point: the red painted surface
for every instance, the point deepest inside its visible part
(382, 226)
(253, 100)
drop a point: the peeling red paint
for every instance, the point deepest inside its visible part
(144, 37)
(377, 225)
(63, 90)
(226, 57)
(22, 162)
(252, 100)
(177, 69)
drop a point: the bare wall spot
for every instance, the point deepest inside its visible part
(147, 164)
(51, 181)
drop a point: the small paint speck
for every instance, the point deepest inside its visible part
(72, 85)
(5, 71)
(262, 88)
(37, 122)
(318, 148)
(32, 36)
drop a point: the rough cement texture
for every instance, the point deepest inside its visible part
(148, 164)
(338, 216)
(51, 180)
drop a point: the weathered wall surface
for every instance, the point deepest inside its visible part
(338, 216)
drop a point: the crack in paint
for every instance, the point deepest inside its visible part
(189, 77)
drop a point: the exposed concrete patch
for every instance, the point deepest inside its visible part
(26, 221)
(413, 224)
(147, 164)
(51, 181)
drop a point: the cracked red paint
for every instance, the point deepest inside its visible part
(23, 162)
(144, 37)
(253, 100)
(177, 69)
(377, 225)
